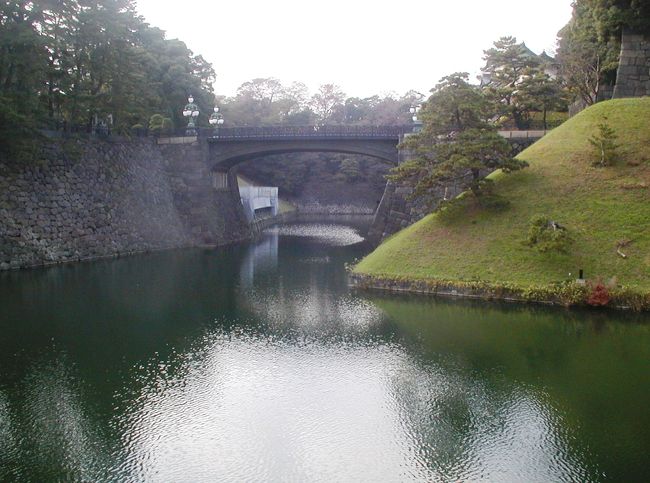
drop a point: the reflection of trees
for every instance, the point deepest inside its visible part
(122, 309)
(46, 425)
(462, 428)
(561, 385)
(8, 439)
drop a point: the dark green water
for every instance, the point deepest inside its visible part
(256, 363)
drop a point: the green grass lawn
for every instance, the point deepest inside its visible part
(599, 206)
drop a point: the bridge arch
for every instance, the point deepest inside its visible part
(223, 159)
(226, 155)
(236, 145)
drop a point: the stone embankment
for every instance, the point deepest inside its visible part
(633, 75)
(86, 199)
(397, 209)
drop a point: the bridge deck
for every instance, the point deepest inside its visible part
(330, 132)
(309, 132)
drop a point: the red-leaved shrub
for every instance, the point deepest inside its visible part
(599, 294)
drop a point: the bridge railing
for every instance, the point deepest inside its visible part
(260, 132)
(310, 132)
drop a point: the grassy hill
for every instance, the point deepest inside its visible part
(599, 206)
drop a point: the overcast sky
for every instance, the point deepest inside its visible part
(367, 47)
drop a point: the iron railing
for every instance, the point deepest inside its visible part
(260, 132)
(252, 132)
(293, 132)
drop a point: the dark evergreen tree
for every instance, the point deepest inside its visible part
(457, 144)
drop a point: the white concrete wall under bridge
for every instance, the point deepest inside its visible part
(257, 198)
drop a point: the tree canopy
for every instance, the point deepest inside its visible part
(589, 45)
(267, 101)
(516, 78)
(82, 60)
(457, 144)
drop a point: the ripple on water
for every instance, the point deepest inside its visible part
(331, 234)
(289, 377)
(253, 406)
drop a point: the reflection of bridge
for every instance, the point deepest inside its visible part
(260, 258)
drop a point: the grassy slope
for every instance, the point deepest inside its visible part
(599, 205)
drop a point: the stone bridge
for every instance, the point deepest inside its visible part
(225, 148)
(231, 146)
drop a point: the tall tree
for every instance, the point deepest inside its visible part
(587, 52)
(539, 92)
(506, 63)
(81, 60)
(611, 16)
(23, 55)
(455, 105)
(326, 101)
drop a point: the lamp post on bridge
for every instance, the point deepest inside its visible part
(417, 124)
(191, 112)
(216, 120)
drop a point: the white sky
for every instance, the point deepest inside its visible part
(367, 47)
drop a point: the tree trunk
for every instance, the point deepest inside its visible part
(474, 186)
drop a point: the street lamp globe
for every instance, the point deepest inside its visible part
(191, 112)
(417, 124)
(216, 120)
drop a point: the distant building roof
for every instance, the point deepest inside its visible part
(545, 58)
(526, 51)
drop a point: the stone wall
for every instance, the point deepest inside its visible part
(87, 199)
(397, 210)
(633, 76)
(209, 216)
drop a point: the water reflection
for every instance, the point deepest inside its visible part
(329, 234)
(271, 410)
(50, 426)
(257, 364)
(261, 257)
(286, 291)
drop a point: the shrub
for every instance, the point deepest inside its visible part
(605, 145)
(167, 125)
(547, 235)
(159, 124)
(599, 294)
(487, 198)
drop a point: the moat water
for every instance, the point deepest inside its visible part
(257, 363)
